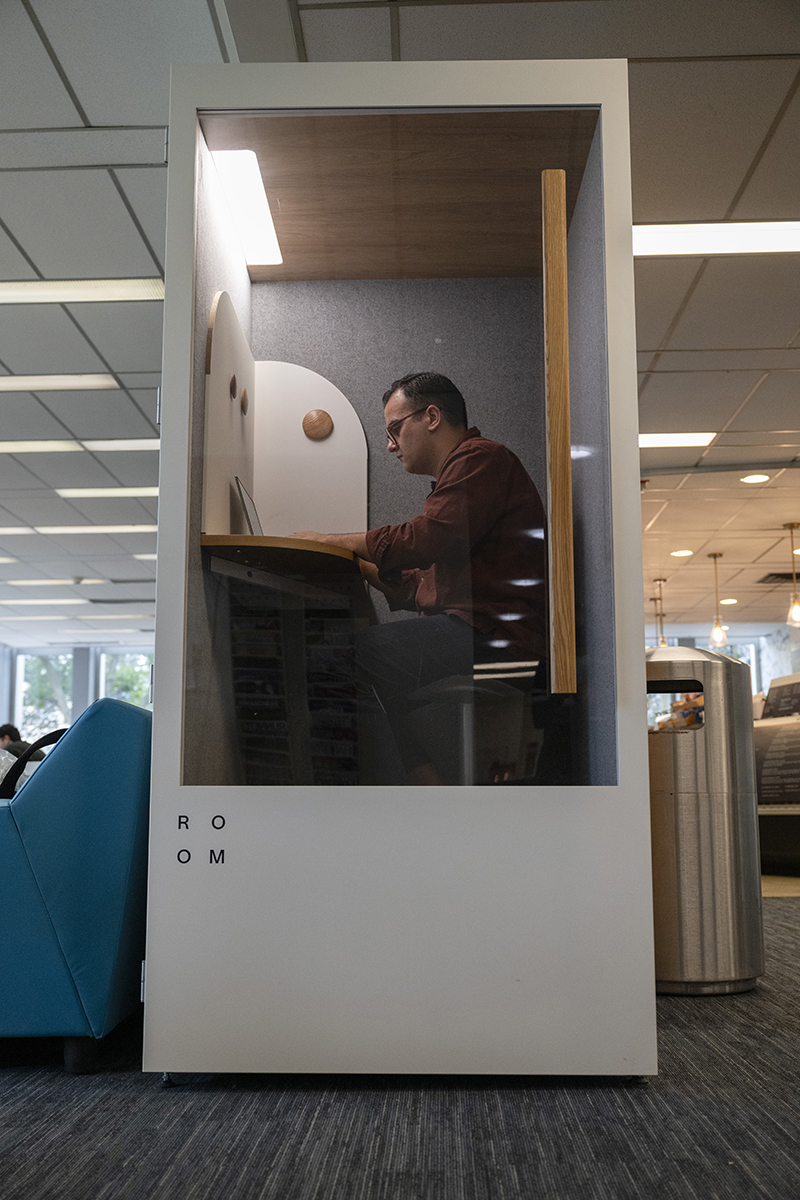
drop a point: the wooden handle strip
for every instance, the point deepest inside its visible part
(563, 669)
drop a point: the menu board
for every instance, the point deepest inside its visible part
(783, 699)
(777, 746)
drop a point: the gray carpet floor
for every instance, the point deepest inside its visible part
(721, 1120)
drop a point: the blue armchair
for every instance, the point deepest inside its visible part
(73, 873)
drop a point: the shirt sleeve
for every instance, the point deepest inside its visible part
(465, 504)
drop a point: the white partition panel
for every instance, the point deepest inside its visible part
(399, 929)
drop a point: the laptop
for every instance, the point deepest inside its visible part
(250, 511)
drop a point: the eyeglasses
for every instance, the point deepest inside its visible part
(393, 428)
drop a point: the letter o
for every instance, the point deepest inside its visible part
(181, 854)
(217, 822)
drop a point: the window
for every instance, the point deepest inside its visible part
(126, 676)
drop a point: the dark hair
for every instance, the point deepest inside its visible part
(425, 387)
(12, 732)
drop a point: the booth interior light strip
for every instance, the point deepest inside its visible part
(240, 176)
(58, 383)
(722, 237)
(71, 447)
(79, 291)
(666, 440)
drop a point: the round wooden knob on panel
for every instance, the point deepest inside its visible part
(317, 424)
(245, 402)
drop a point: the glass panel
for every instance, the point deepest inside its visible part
(46, 694)
(126, 676)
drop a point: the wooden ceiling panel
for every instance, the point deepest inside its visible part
(408, 195)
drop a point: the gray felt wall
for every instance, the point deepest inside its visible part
(595, 729)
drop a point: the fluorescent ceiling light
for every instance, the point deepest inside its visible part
(681, 553)
(58, 383)
(9, 560)
(722, 237)
(43, 447)
(667, 440)
(51, 582)
(49, 600)
(98, 633)
(153, 557)
(122, 444)
(98, 493)
(10, 530)
(119, 616)
(243, 186)
(51, 529)
(79, 291)
(754, 479)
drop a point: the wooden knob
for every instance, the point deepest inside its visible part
(245, 402)
(233, 387)
(317, 424)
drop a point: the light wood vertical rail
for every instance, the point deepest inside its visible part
(563, 671)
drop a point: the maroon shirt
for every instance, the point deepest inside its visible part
(477, 551)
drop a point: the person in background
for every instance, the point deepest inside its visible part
(11, 740)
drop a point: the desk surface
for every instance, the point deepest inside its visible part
(284, 555)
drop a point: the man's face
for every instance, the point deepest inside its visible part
(5, 740)
(411, 437)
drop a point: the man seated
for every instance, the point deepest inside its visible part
(472, 564)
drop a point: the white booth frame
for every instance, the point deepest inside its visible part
(400, 930)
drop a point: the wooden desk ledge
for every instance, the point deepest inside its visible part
(284, 555)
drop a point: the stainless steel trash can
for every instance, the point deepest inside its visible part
(706, 871)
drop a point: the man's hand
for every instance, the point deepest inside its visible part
(357, 542)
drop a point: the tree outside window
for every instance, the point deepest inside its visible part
(126, 677)
(46, 694)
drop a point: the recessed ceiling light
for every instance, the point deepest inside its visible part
(58, 383)
(754, 479)
(8, 560)
(98, 493)
(243, 186)
(725, 627)
(153, 557)
(102, 445)
(681, 553)
(729, 601)
(51, 582)
(722, 237)
(662, 440)
(49, 600)
(56, 529)
(43, 447)
(79, 291)
(11, 530)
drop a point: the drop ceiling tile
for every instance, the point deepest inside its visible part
(136, 543)
(132, 468)
(13, 265)
(702, 514)
(661, 285)
(81, 545)
(693, 401)
(40, 339)
(663, 483)
(773, 192)
(695, 128)
(128, 335)
(41, 509)
(24, 417)
(765, 513)
(112, 511)
(99, 414)
(146, 189)
(776, 404)
(744, 300)
(74, 227)
(788, 478)
(759, 437)
(152, 379)
(135, 43)
(21, 546)
(122, 566)
(758, 359)
(675, 458)
(716, 482)
(33, 94)
(70, 470)
(14, 474)
(347, 35)
(750, 455)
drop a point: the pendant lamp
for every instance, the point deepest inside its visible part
(793, 617)
(718, 637)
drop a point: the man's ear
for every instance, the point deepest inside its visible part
(434, 416)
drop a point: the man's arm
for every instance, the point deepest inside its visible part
(357, 542)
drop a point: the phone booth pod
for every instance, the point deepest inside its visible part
(308, 910)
